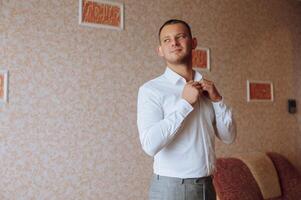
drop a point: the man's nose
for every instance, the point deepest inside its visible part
(174, 42)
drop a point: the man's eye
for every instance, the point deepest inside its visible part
(166, 40)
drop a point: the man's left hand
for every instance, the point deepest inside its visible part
(210, 88)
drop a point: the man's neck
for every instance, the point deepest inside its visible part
(183, 70)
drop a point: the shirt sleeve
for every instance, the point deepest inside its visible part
(225, 124)
(155, 129)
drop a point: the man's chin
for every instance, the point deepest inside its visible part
(178, 61)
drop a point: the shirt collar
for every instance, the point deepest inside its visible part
(174, 78)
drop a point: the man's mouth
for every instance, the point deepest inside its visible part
(176, 50)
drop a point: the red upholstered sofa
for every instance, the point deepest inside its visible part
(257, 176)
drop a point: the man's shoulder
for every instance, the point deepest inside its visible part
(154, 84)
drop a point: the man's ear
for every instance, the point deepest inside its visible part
(194, 43)
(159, 51)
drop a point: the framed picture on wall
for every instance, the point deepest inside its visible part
(261, 91)
(201, 59)
(3, 86)
(101, 14)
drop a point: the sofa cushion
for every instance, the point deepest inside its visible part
(264, 173)
(234, 181)
(290, 178)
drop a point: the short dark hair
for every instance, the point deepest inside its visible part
(175, 21)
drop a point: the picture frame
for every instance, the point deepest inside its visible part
(260, 91)
(3, 86)
(101, 14)
(201, 59)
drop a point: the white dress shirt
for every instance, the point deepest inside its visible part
(178, 135)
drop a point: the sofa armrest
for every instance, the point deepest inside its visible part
(233, 180)
(264, 172)
(290, 178)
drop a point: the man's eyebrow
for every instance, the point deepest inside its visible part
(168, 36)
(182, 33)
(165, 37)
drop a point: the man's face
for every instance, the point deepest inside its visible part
(176, 44)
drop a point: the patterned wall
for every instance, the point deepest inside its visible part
(297, 83)
(69, 130)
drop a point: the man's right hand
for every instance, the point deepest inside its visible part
(191, 92)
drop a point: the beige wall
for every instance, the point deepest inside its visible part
(69, 130)
(297, 82)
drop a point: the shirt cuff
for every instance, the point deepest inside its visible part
(218, 106)
(184, 107)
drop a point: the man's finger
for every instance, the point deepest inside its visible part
(195, 83)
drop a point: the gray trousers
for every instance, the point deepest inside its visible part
(169, 188)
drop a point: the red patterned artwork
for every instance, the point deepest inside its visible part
(261, 91)
(200, 58)
(1, 86)
(101, 13)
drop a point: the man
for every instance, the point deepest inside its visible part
(179, 115)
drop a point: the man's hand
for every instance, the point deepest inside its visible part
(191, 92)
(210, 89)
